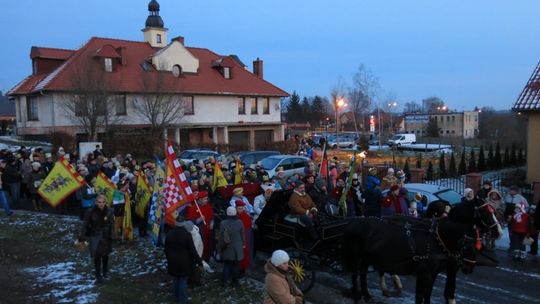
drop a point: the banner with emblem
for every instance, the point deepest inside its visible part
(142, 195)
(238, 171)
(105, 186)
(127, 224)
(218, 178)
(60, 183)
(177, 190)
(155, 216)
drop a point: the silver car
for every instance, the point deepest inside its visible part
(431, 193)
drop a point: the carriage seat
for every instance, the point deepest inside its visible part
(293, 220)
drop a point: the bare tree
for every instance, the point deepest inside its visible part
(362, 93)
(161, 105)
(90, 106)
(412, 107)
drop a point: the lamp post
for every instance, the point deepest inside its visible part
(390, 105)
(340, 103)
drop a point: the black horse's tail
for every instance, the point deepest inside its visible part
(353, 244)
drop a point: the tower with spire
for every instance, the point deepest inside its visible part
(154, 32)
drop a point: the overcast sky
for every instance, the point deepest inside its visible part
(466, 52)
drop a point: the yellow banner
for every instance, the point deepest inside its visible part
(238, 170)
(127, 225)
(60, 183)
(143, 194)
(219, 179)
(105, 186)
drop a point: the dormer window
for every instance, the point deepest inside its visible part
(227, 72)
(158, 38)
(176, 70)
(108, 65)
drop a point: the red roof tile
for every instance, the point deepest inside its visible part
(127, 76)
(50, 53)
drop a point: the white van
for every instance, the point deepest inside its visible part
(402, 139)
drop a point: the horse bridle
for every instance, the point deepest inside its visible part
(490, 210)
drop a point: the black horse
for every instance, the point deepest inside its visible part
(402, 245)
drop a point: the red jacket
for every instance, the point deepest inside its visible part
(520, 225)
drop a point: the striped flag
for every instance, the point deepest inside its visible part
(176, 188)
(155, 217)
(60, 183)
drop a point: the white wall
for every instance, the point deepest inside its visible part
(176, 53)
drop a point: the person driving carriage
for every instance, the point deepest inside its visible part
(303, 208)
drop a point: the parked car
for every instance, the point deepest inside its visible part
(291, 164)
(250, 157)
(190, 155)
(432, 193)
(341, 141)
(402, 139)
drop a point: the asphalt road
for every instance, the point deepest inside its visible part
(511, 282)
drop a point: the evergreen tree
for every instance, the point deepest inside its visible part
(452, 171)
(472, 162)
(498, 159)
(462, 166)
(481, 160)
(506, 159)
(442, 166)
(319, 110)
(419, 161)
(429, 172)
(491, 158)
(305, 114)
(294, 109)
(406, 169)
(513, 156)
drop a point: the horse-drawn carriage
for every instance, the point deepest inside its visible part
(276, 229)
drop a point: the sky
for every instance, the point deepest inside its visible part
(468, 53)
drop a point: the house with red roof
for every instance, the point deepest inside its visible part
(222, 102)
(528, 103)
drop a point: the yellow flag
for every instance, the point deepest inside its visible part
(60, 183)
(105, 186)
(127, 225)
(219, 178)
(238, 172)
(143, 194)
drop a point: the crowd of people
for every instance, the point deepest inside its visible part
(193, 240)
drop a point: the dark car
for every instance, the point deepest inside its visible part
(250, 157)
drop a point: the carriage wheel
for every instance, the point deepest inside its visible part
(303, 273)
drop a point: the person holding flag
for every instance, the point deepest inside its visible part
(201, 214)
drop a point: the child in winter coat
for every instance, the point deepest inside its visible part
(520, 227)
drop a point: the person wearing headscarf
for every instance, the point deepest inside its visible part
(238, 195)
(279, 286)
(394, 203)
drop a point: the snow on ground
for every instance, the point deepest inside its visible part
(65, 282)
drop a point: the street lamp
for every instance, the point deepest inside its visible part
(390, 105)
(340, 103)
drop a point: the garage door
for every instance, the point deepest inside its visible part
(263, 137)
(239, 139)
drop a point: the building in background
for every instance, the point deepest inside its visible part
(449, 124)
(222, 101)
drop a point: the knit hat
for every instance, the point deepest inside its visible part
(487, 182)
(36, 165)
(390, 170)
(279, 257)
(355, 176)
(231, 211)
(418, 196)
(238, 191)
(467, 191)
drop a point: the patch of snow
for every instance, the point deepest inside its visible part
(65, 283)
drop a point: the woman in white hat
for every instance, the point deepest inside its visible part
(279, 286)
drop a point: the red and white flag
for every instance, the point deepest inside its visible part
(176, 190)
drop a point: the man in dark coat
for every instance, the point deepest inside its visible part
(181, 258)
(231, 244)
(97, 228)
(372, 195)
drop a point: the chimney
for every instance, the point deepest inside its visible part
(179, 39)
(258, 68)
